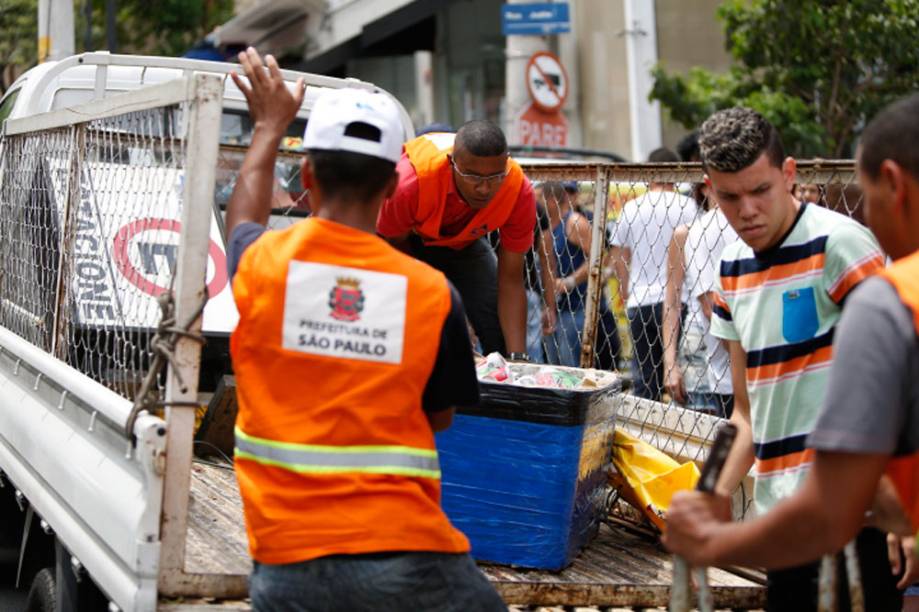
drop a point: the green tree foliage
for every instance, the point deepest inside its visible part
(18, 37)
(818, 69)
(144, 27)
(155, 27)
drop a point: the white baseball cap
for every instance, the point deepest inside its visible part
(335, 122)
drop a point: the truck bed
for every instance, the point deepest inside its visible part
(620, 568)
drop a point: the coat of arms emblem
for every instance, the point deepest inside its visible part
(346, 299)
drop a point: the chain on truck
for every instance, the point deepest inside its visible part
(115, 313)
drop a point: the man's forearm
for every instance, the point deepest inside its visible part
(580, 274)
(818, 519)
(512, 312)
(676, 274)
(670, 334)
(251, 199)
(621, 260)
(790, 534)
(671, 324)
(740, 460)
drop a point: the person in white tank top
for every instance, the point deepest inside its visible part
(706, 239)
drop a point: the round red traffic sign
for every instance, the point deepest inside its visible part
(547, 82)
(128, 235)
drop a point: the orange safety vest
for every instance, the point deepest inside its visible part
(336, 340)
(904, 471)
(428, 156)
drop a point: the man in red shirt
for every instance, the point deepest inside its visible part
(453, 191)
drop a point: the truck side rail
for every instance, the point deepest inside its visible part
(62, 446)
(102, 60)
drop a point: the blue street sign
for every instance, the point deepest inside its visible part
(535, 19)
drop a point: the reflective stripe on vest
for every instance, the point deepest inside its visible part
(319, 459)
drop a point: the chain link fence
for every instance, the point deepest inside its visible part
(30, 233)
(110, 246)
(628, 254)
(89, 237)
(90, 223)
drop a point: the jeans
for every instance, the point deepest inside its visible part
(716, 404)
(473, 270)
(565, 347)
(382, 581)
(647, 350)
(534, 326)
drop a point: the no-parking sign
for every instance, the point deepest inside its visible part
(547, 82)
(542, 122)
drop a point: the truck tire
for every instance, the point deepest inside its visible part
(42, 594)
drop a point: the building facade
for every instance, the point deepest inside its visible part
(448, 61)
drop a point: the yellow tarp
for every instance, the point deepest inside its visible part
(647, 478)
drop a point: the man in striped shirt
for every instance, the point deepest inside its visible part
(779, 296)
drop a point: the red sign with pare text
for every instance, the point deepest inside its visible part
(542, 129)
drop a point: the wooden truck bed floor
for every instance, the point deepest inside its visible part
(619, 568)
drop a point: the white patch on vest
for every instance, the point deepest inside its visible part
(441, 140)
(344, 312)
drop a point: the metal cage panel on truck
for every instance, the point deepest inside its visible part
(96, 244)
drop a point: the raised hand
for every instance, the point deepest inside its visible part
(272, 105)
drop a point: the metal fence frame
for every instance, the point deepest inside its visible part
(682, 433)
(163, 450)
(603, 174)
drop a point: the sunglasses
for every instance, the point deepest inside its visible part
(478, 179)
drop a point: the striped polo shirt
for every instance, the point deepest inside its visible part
(782, 305)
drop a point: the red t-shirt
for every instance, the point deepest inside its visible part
(398, 214)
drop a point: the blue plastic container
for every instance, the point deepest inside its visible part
(524, 474)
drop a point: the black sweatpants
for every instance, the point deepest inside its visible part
(473, 270)
(795, 589)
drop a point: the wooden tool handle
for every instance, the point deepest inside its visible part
(721, 448)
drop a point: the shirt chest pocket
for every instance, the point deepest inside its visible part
(799, 314)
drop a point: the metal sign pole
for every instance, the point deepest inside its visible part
(595, 277)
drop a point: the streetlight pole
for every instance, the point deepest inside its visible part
(641, 55)
(111, 35)
(88, 32)
(55, 29)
